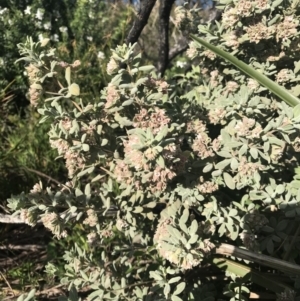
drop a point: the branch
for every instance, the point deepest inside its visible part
(178, 49)
(163, 52)
(22, 247)
(141, 21)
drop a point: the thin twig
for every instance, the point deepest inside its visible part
(22, 247)
(43, 175)
(7, 283)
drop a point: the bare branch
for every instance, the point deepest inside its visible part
(164, 17)
(22, 247)
(141, 21)
(178, 49)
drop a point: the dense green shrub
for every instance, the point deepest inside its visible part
(68, 25)
(162, 182)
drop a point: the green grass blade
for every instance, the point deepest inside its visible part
(281, 92)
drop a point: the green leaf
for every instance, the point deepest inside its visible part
(127, 102)
(278, 90)
(175, 298)
(254, 153)
(160, 161)
(276, 3)
(179, 288)
(74, 89)
(229, 180)
(68, 75)
(174, 279)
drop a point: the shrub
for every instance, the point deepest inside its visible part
(161, 182)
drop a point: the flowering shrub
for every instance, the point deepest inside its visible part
(160, 180)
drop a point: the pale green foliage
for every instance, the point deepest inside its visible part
(158, 179)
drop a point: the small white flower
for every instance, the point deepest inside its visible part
(39, 14)
(89, 38)
(47, 26)
(180, 64)
(41, 38)
(1, 61)
(63, 29)
(38, 24)
(100, 55)
(2, 11)
(55, 38)
(27, 10)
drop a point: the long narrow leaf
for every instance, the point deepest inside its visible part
(281, 92)
(266, 281)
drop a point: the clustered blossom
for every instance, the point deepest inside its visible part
(121, 224)
(216, 115)
(259, 31)
(231, 86)
(261, 4)
(283, 76)
(66, 123)
(112, 66)
(33, 93)
(207, 187)
(201, 146)
(51, 222)
(77, 63)
(159, 84)
(133, 156)
(216, 144)
(183, 17)
(287, 28)
(213, 78)
(160, 178)
(74, 160)
(32, 73)
(244, 8)
(107, 233)
(296, 144)
(92, 219)
(178, 254)
(252, 84)
(36, 188)
(34, 96)
(155, 120)
(244, 127)
(276, 152)
(27, 217)
(248, 168)
(230, 17)
(232, 41)
(92, 238)
(123, 173)
(112, 96)
(192, 50)
(209, 54)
